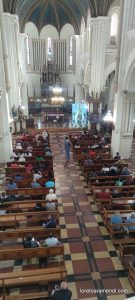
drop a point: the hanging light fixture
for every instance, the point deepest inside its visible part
(108, 117)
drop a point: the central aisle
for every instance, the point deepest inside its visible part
(91, 259)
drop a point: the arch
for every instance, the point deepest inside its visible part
(88, 18)
(67, 31)
(31, 30)
(82, 26)
(128, 70)
(110, 68)
(49, 31)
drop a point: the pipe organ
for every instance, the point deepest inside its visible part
(60, 54)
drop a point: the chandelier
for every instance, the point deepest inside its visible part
(57, 99)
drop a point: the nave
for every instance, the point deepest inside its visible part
(92, 261)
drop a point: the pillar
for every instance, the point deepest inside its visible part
(98, 50)
(5, 135)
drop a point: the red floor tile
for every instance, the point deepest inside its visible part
(77, 247)
(105, 264)
(80, 266)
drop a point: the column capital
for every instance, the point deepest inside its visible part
(128, 96)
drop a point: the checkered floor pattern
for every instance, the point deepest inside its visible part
(93, 266)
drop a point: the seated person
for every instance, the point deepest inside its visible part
(51, 241)
(15, 165)
(14, 155)
(63, 293)
(77, 146)
(21, 158)
(11, 185)
(88, 162)
(119, 182)
(48, 153)
(131, 219)
(91, 152)
(105, 169)
(51, 223)
(29, 148)
(12, 158)
(37, 175)
(35, 184)
(39, 158)
(50, 205)
(99, 157)
(117, 156)
(38, 207)
(45, 134)
(104, 194)
(125, 171)
(18, 147)
(30, 242)
(28, 154)
(18, 177)
(4, 197)
(95, 146)
(50, 183)
(116, 219)
(51, 196)
(29, 168)
(48, 174)
(113, 170)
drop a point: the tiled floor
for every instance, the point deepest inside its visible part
(92, 261)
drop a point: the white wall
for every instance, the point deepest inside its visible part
(49, 31)
(67, 31)
(33, 81)
(67, 83)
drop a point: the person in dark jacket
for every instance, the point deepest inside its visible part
(63, 293)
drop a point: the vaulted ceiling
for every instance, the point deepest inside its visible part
(56, 12)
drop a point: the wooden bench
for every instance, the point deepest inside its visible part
(114, 233)
(37, 232)
(24, 183)
(29, 191)
(40, 277)
(126, 190)
(21, 205)
(131, 276)
(28, 253)
(14, 219)
(126, 250)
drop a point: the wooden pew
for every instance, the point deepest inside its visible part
(18, 206)
(29, 191)
(24, 183)
(126, 250)
(28, 253)
(131, 276)
(113, 233)
(14, 219)
(126, 190)
(105, 180)
(37, 232)
(115, 203)
(40, 277)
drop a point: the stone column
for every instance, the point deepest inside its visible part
(5, 135)
(98, 48)
(122, 134)
(127, 128)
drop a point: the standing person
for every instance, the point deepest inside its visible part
(67, 148)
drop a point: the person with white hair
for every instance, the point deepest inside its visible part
(22, 158)
(63, 293)
(131, 219)
(51, 196)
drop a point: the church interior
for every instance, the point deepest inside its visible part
(67, 149)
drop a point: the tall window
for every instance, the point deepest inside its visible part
(71, 51)
(49, 48)
(27, 50)
(114, 25)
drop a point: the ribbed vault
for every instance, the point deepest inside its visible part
(56, 12)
